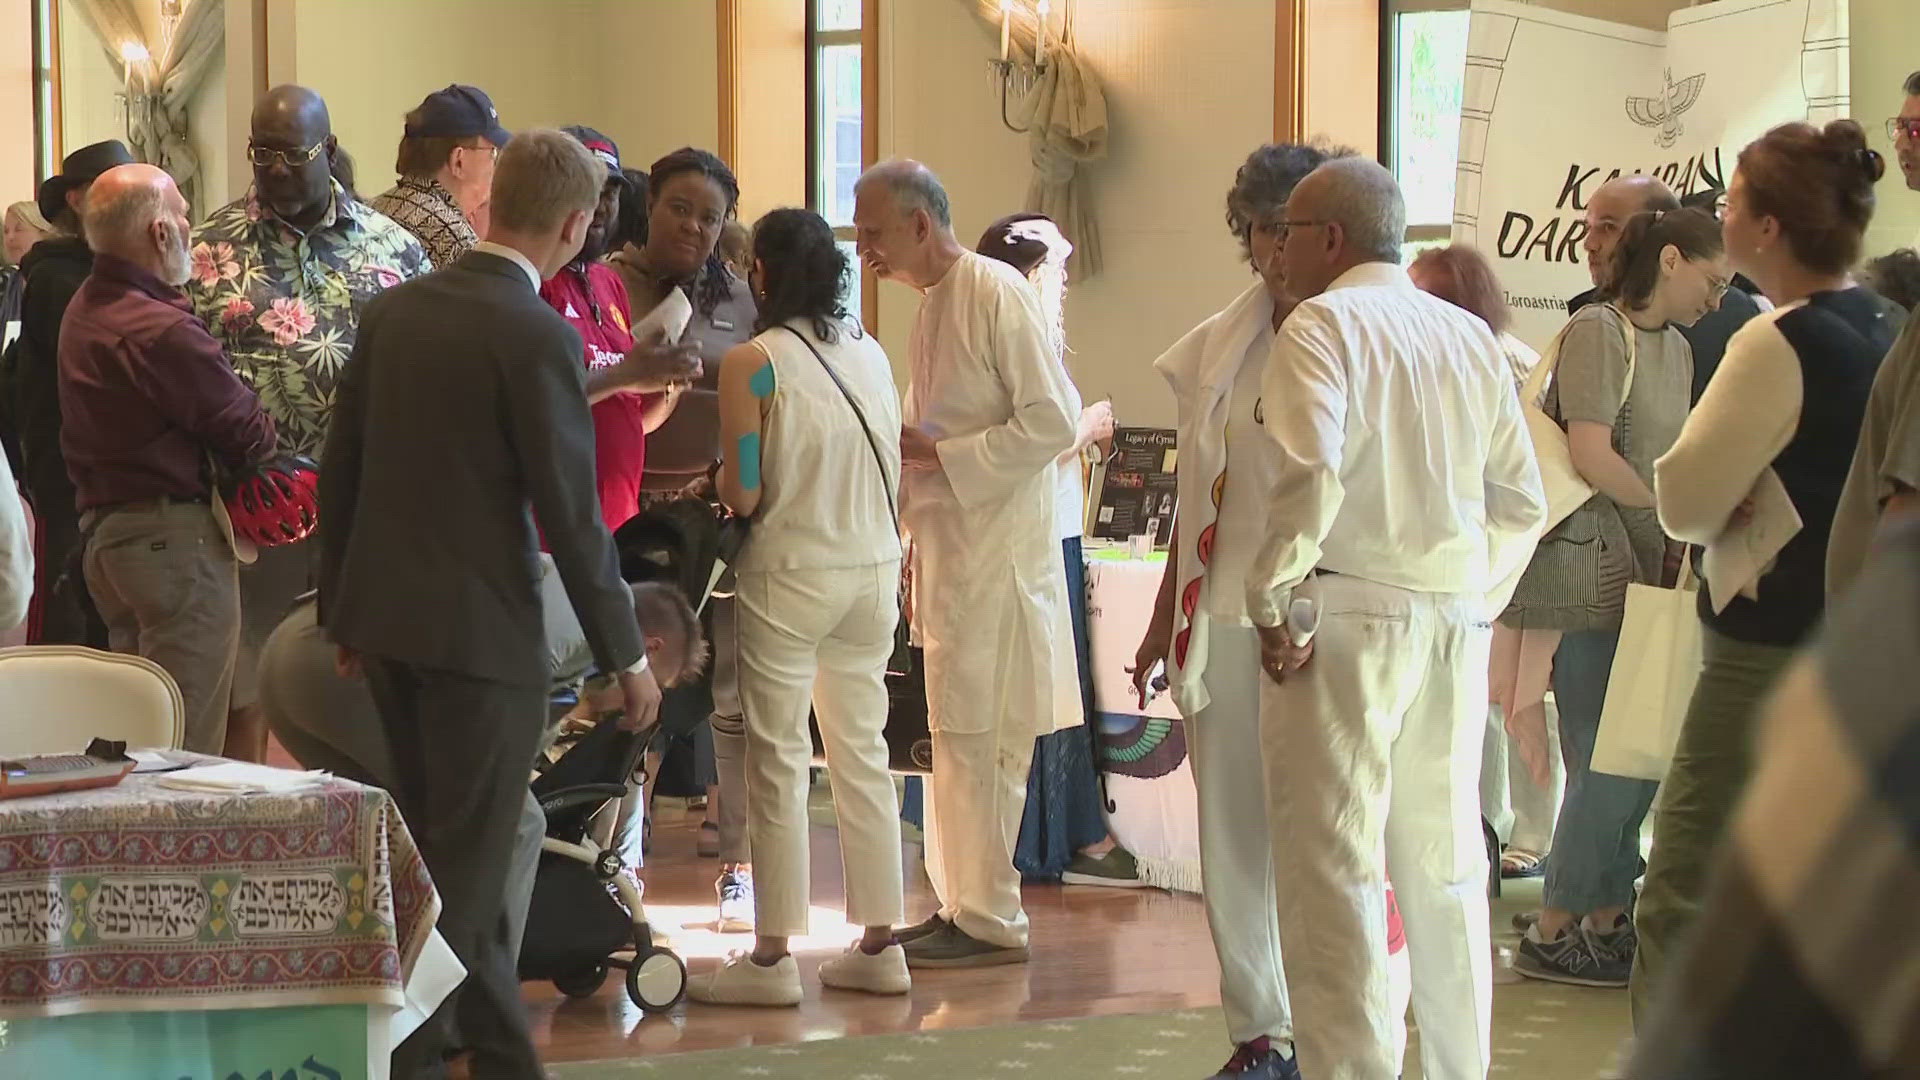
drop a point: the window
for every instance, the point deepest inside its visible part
(835, 120)
(1427, 73)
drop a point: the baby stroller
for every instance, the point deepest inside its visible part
(576, 927)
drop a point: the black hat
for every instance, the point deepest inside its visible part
(458, 112)
(603, 148)
(83, 166)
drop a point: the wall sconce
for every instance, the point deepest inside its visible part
(1009, 70)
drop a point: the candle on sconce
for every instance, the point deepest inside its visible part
(1006, 29)
(1040, 34)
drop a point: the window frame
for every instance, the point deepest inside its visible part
(48, 136)
(866, 36)
(1390, 12)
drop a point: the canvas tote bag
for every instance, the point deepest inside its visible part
(1652, 680)
(1566, 490)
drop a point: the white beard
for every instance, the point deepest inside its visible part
(178, 262)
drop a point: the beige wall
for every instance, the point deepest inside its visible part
(538, 64)
(1189, 86)
(1885, 51)
(17, 179)
(655, 78)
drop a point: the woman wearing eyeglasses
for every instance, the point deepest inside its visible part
(1780, 419)
(1621, 390)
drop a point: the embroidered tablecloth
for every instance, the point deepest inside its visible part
(143, 898)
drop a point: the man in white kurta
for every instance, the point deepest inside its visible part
(1406, 492)
(987, 414)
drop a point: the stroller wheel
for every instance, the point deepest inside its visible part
(582, 984)
(608, 865)
(656, 980)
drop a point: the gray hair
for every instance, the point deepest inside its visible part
(1266, 181)
(118, 217)
(1363, 197)
(913, 187)
(1913, 85)
(540, 178)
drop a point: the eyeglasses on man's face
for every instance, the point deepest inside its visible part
(1904, 125)
(264, 156)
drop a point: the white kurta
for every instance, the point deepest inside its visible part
(990, 589)
(989, 585)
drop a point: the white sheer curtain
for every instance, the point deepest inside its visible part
(161, 86)
(1065, 114)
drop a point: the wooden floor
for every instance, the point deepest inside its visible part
(1095, 951)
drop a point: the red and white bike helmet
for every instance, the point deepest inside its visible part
(278, 503)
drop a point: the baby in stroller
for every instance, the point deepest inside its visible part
(586, 913)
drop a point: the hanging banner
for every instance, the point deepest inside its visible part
(1554, 105)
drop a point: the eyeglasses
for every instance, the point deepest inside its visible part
(1904, 125)
(1281, 228)
(263, 156)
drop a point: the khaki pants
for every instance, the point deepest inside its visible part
(163, 577)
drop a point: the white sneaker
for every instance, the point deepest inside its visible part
(735, 892)
(855, 969)
(740, 981)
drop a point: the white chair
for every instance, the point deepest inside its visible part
(54, 698)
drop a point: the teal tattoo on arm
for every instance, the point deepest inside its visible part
(761, 384)
(750, 460)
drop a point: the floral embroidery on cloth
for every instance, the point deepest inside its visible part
(285, 305)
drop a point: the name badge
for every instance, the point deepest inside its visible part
(722, 324)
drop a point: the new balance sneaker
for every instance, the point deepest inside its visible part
(1259, 1060)
(932, 925)
(740, 981)
(1114, 870)
(735, 889)
(1571, 959)
(1617, 944)
(884, 972)
(952, 947)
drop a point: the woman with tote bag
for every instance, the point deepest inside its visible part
(1781, 416)
(1621, 391)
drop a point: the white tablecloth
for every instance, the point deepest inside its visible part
(1149, 779)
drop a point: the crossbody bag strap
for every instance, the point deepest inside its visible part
(873, 444)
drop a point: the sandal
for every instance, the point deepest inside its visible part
(1521, 863)
(708, 844)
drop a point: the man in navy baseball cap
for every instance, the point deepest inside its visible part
(446, 171)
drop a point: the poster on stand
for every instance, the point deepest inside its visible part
(1555, 105)
(1137, 489)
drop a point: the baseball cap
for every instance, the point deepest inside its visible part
(458, 112)
(603, 148)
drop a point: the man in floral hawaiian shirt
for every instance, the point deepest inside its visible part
(280, 277)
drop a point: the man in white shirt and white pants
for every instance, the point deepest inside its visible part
(988, 412)
(1407, 494)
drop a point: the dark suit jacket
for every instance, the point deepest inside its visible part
(463, 403)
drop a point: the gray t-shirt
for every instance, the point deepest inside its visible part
(1591, 384)
(1886, 459)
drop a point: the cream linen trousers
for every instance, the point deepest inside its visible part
(1237, 846)
(1376, 747)
(819, 638)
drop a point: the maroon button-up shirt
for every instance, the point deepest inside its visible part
(146, 393)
